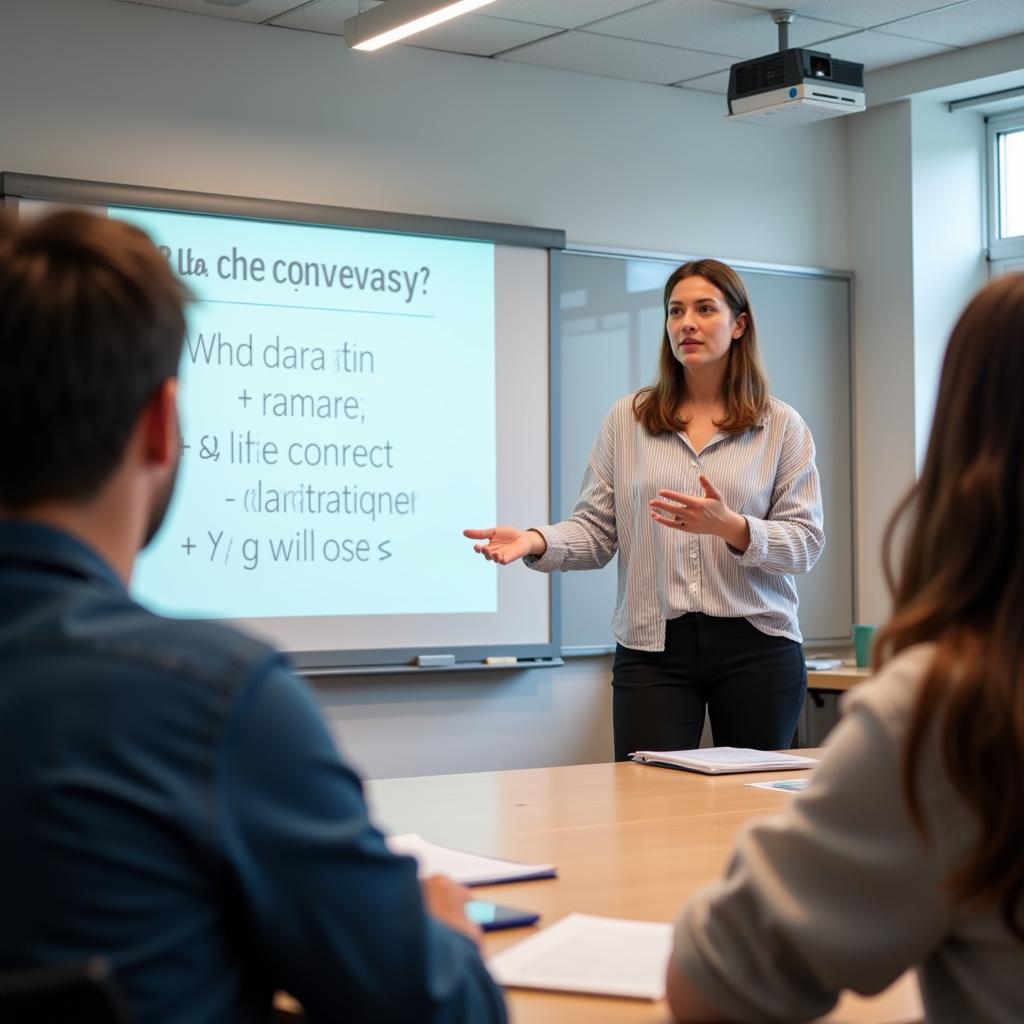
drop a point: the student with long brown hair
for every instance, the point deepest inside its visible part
(905, 849)
(706, 488)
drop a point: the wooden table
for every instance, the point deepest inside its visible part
(836, 678)
(630, 841)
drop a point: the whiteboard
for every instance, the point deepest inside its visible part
(342, 422)
(610, 320)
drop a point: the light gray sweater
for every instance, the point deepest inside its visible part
(839, 891)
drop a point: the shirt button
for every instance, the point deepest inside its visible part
(693, 553)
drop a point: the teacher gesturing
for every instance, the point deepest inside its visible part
(706, 487)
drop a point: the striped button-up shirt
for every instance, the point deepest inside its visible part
(766, 474)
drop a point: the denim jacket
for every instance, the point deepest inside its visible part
(171, 799)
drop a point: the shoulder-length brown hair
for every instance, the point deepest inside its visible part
(961, 587)
(744, 387)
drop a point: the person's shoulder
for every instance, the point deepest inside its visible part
(621, 416)
(783, 414)
(623, 407)
(884, 708)
(864, 751)
(786, 427)
(199, 649)
(891, 695)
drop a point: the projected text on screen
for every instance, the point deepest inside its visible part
(337, 402)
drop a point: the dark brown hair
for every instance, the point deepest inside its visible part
(744, 386)
(961, 587)
(91, 324)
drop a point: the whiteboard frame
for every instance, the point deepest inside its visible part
(741, 265)
(16, 186)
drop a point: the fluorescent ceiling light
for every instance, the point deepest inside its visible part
(398, 19)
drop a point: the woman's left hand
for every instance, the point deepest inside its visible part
(709, 514)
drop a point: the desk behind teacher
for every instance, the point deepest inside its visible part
(837, 679)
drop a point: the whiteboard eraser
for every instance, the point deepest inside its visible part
(435, 660)
(495, 659)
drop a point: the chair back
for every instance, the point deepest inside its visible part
(84, 993)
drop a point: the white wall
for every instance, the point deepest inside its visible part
(948, 238)
(881, 250)
(110, 91)
(122, 92)
(502, 720)
(916, 242)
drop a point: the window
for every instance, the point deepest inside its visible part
(1006, 191)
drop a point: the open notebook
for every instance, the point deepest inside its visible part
(723, 760)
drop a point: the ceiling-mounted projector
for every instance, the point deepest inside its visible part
(794, 87)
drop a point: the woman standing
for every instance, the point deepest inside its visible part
(706, 487)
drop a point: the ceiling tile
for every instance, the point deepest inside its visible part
(617, 58)
(560, 13)
(690, 43)
(717, 83)
(966, 24)
(878, 49)
(480, 36)
(250, 10)
(859, 13)
(709, 25)
(472, 33)
(323, 16)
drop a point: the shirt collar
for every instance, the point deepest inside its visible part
(30, 543)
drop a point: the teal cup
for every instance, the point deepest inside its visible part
(863, 638)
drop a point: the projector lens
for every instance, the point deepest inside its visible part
(821, 67)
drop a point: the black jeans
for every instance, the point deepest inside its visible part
(752, 685)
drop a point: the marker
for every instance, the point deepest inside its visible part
(502, 659)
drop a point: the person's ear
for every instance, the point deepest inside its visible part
(160, 424)
(740, 327)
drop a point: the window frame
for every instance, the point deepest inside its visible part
(1001, 251)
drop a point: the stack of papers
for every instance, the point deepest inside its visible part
(723, 760)
(599, 955)
(465, 868)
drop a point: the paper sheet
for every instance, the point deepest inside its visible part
(598, 955)
(785, 785)
(462, 867)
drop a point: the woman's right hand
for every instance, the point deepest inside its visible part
(504, 544)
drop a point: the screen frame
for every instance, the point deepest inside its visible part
(16, 186)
